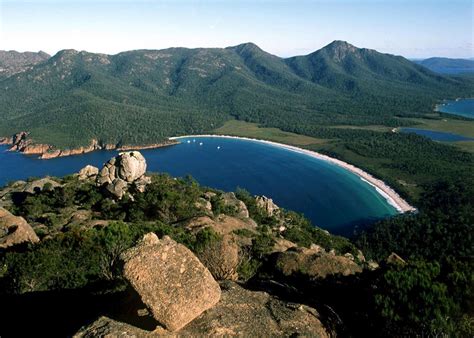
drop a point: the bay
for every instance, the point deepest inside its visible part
(437, 135)
(330, 196)
(461, 107)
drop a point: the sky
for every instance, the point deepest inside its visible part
(412, 28)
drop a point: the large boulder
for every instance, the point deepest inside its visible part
(267, 205)
(170, 280)
(15, 230)
(88, 172)
(123, 172)
(240, 312)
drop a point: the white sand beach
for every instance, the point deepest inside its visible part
(383, 189)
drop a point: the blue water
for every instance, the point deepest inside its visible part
(463, 107)
(437, 135)
(329, 196)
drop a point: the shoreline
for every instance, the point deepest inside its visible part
(20, 143)
(390, 195)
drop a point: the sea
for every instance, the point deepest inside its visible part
(332, 198)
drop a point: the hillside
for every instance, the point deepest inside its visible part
(142, 258)
(12, 62)
(144, 96)
(447, 65)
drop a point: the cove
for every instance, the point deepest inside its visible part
(330, 196)
(437, 135)
(461, 107)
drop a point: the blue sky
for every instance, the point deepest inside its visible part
(415, 29)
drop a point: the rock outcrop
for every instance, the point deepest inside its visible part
(222, 258)
(14, 230)
(53, 153)
(107, 327)
(223, 224)
(240, 312)
(267, 205)
(123, 173)
(23, 143)
(395, 259)
(229, 199)
(170, 280)
(88, 172)
(314, 263)
(40, 185)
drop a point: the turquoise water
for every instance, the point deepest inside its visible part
(437, 135)
(463, 107)
(329, 196)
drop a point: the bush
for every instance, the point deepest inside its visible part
(414, 301)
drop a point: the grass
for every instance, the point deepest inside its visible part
(455, 126)
(465, 145)
(461, 127)
(252, 130)
(371, 127)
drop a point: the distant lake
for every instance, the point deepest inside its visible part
(437, 135)
(462, 107)
(331, 197)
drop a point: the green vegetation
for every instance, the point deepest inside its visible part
(447, 65)
(252, 130)
(144, 96)
(341, 101)
(79, 254)
(393, 157)
(430, 294)
(433, 293)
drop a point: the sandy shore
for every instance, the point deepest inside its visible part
(383, 189)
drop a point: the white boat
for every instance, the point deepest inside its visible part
(200, 143)
(218, 147)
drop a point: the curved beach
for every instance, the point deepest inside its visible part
(392, 197)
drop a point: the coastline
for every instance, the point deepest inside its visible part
(391, 196)
(22, 144)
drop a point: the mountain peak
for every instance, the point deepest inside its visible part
(338, 50)
(245, 48)
(340, 44)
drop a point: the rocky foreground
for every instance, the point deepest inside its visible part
(194, 265)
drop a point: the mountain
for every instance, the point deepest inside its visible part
(144, 96)
(12, 62)
(448, 66)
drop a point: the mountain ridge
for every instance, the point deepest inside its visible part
(144, 96)
(12, 62)
(444, 65)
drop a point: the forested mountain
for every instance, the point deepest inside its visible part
(12, 62)
(143, 96)
(447, 65)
